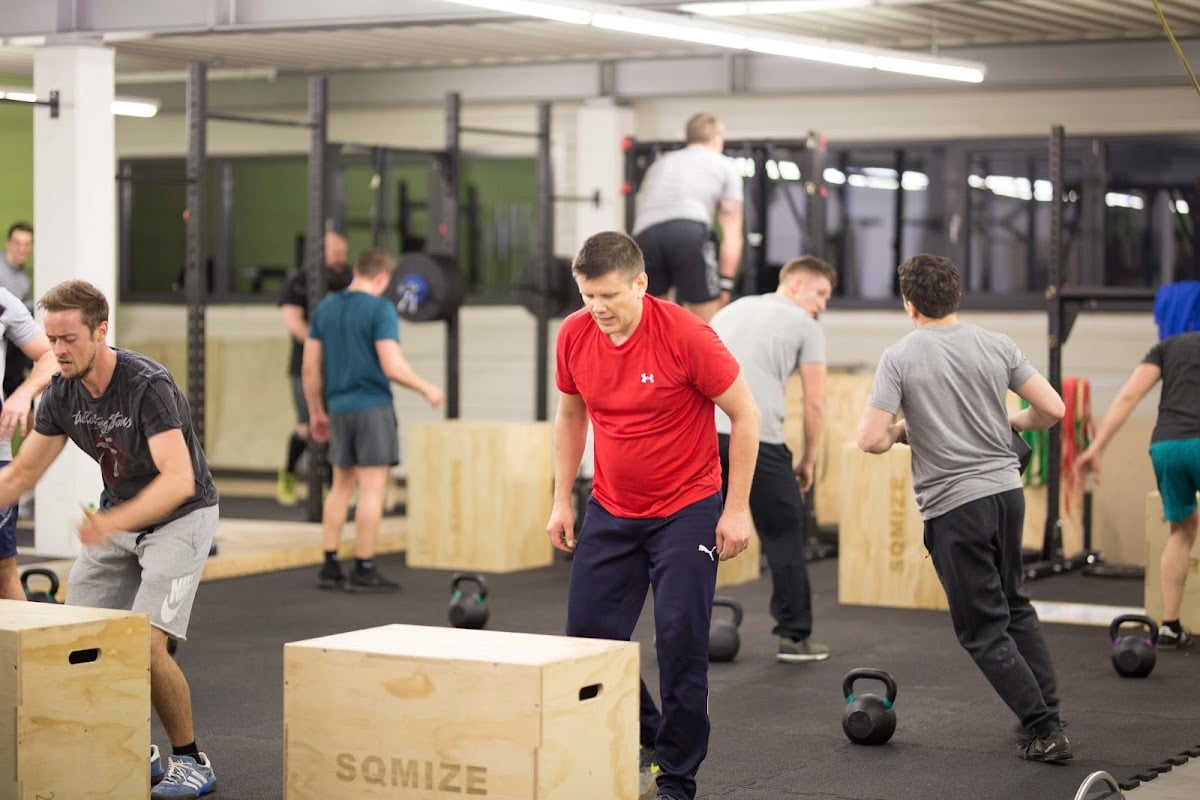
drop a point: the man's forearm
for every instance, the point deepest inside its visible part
(743, 454)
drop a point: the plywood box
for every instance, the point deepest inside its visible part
(479, 495)
(882, 559)
(404, 711)
(74, 702)
(1157, 531)
(846, 396)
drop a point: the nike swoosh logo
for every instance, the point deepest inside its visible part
(174, 599)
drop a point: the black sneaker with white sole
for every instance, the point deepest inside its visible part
(1168, 639)
(1051, 749)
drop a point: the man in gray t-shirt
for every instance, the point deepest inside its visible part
(950, 380)
(772, 336)
(681, 193)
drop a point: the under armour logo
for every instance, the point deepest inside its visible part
(708, 551)
(647, 377)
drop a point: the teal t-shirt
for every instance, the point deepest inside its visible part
(348, 324)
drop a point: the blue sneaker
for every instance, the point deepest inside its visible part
(156, 767)
(186, 777)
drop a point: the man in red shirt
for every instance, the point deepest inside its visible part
(647, 373)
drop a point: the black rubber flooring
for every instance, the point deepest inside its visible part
(776, 727)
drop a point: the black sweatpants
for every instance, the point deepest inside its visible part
(778, 512)
(976, 550)
(616, 560)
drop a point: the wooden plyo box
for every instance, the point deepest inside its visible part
(405, 711)
(846, 395)
(1157, 531)
(881, 552)
(479, 495)
(74, 702)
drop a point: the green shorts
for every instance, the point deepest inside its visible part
(1177, 469)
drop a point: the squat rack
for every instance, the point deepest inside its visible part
(1063, 304)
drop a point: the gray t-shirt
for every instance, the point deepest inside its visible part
(16, 325)
(141, 400)
(14, 279)
(687, 184)
(950, 382)
(770, 336)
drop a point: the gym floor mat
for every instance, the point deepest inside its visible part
(776, 727)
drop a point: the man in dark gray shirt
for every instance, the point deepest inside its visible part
(145, 548)
(681, 193)
(771, 336)
(950, 380)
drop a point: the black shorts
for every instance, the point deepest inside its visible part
(681, 253)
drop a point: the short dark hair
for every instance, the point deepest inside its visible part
(703, 127)
(932, 284)
(811, 265)
(373, 261)
(608, 251)
(77, 295)
(19, 226)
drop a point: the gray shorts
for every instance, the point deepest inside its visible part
(155, 573)
(364, 438)
(298, 399)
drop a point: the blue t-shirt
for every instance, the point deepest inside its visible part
(348, 324)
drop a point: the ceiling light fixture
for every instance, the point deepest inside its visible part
(121, 106)
(769, 7)
(716, 34)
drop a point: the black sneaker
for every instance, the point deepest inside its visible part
(1170, 640)
(331, 576)
(1051, 748)
(370, 580)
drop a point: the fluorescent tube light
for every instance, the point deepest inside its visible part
(121, 106)
(717, 34)
(769, 7)
(530, 8)
(667, 30)
(135, 106)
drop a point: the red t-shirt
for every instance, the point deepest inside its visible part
(650, 402)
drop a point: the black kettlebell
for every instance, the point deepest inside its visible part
(40, 595)
(868, 718)
(723, 639)
(468, 609)
(1133, 655)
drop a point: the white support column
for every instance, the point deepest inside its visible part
(599, 165)
(75, 223)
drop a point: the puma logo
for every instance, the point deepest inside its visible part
(709, 551)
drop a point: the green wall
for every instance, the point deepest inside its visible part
(16, 169)
(270, 210)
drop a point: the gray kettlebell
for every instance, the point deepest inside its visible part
(1133, 655)
(47, 595)
(868, 718)
(723, 639)
(468, 609)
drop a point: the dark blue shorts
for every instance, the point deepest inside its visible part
(8, 528)
(1177, 469)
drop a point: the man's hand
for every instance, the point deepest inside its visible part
(561, 527)
(94, 529)
(434, 396)
(318, 425)
(804, 475)
(733, 533)
(15, 415)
